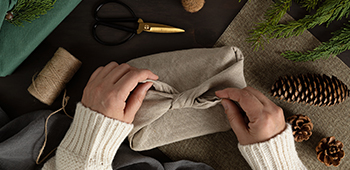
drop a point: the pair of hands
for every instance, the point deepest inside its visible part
(114, 91)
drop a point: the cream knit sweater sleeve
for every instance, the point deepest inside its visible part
(90, 143)
(93, 140)
(277, 153)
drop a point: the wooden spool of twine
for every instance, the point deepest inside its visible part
(53, 78)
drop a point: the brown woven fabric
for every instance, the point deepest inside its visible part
(261, 70)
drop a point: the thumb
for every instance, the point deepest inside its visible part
(235, 117)
(135, 100)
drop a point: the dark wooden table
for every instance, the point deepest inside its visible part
(75, 34)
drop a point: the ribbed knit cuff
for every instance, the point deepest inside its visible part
(93, 137)
(276, 153)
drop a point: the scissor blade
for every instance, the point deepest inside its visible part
(157, 28)
(161, 28)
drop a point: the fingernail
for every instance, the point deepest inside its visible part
(224, 104)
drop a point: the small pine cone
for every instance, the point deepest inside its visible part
(314, 89)
(329, 151)
(302, 127)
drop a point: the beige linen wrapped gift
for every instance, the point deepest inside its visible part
(182, 103)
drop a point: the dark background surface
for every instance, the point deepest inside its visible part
(75, 35)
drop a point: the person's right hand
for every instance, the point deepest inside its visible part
(266, 119)
(109, 91)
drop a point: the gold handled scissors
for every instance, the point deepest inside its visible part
(142, 26)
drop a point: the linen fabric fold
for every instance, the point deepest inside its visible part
(182, 103)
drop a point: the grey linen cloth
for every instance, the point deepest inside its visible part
(127, 159)
(182, 103)
(22, 138)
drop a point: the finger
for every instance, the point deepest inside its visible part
(106, 70)
(260, 96)
(249, 103)
(269, 106)
(131, 79)
(235, 117)
(226, 93)
(95, 73)
(135, 101)
(244, 97)
(118, 72)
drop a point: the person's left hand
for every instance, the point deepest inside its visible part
(108, 91)
(266, 119)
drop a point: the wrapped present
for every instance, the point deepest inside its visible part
(18, 42)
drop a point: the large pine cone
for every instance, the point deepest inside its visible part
(314, 89)
(329, 151)
(302, 127)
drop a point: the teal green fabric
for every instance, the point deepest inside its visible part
(16, 43)
(5, 5)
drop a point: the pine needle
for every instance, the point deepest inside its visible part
(29, 10)
(262, 31)
(308, 4)
(329, 11)
(339, 43)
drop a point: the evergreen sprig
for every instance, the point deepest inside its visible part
(262, 31)
(339, 43)
(329, 11)
(29, 10)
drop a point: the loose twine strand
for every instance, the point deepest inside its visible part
(50, 82)
(64, 104)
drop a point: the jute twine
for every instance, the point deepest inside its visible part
(64, 104)
(50, 82)
(53, 78)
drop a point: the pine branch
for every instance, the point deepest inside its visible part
(272, 16)
(29, 10)
(339, 43)
(329, 11)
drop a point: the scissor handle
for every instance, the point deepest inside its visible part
(123, 28)
(132, 31)
(115, 19)
(109, 23)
